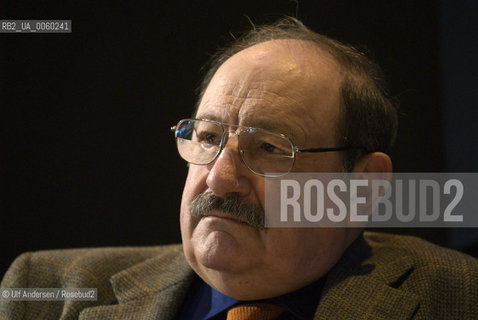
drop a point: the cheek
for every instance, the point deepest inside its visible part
(195, 184)
(320, 162)
(260, 191)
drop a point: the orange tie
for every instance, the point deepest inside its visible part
(255, 311)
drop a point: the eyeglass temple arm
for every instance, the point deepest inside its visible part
(332, 149)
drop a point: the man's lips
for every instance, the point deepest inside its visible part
(223, 215)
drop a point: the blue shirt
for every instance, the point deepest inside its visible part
(203, 302)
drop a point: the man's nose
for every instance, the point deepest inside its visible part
(228, 174)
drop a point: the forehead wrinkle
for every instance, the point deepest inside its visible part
(251, 90)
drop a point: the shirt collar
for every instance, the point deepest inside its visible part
(204, 302)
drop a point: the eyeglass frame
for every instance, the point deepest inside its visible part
(224, 139)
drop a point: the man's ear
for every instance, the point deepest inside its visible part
(373, 166)
(374, 162)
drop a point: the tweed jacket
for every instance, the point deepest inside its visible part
(378, 277)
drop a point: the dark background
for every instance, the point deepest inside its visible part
(87, 158)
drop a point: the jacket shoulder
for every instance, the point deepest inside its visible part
(87, 267)
(444, 280)
(72, 268)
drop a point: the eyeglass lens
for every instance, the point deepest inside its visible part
(264, 152)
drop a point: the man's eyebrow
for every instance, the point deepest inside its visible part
(266, 125)
(273, 127)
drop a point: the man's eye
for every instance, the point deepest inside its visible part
(269, 148)
(210, 138)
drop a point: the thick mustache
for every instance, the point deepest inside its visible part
(231, 204)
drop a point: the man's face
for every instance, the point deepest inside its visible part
(292, 87)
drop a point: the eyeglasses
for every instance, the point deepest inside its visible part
(265, 153)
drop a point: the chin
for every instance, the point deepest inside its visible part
(218, 252)
(215, 262)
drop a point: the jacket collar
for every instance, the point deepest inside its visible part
(364, 283)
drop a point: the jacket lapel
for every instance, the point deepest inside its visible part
(153, 289)
(364, 285)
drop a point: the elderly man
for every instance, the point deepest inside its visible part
(281, 99)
